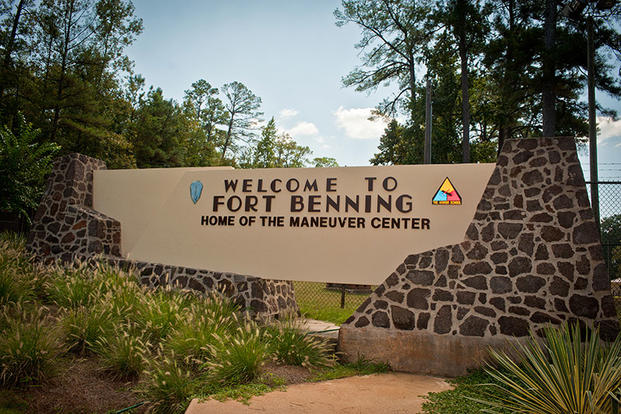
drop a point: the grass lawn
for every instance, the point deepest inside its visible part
(317, 302)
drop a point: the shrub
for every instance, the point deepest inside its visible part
(191, 340)
(562, 374)
(28, 348)
(159, 313)
(167, 384)
(74, 287)
(122, 353)
(83, 326)
(24, 162)
(288, 344)
(238, 358)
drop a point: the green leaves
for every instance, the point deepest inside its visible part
(24, 163)
(568, 372)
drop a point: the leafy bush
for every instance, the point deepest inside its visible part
(288, 344)
(28, 348)
(123, 353)
(567, 373)
(82, 327)
(237, 359)
(24, 162)
(168, 385)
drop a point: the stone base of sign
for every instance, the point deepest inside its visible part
(418, 352)
(531, 257)
(66, 228)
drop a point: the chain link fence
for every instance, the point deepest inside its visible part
(610, 227)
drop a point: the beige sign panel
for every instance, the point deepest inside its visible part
(350, 225)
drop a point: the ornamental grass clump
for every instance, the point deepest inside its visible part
(74, 287)
(569, 371)
(167, 384)
(289, 345)
(192, 340)
(237, 358)
(159, 312)
(82, 327)
(123, 353)
(28, 348)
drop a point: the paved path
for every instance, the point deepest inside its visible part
(379, 393)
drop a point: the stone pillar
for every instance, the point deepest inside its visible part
(531, 257)
(65, 226)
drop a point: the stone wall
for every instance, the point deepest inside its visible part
(66, 228)
(531, 257)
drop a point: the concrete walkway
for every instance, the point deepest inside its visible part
(379, 393)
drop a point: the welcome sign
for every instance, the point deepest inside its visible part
(348, 225)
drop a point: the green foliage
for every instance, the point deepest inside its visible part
(325, 162)
(360, 367)
(168, 385)
(122, 353)
(465, 396)
(83, 326)
(28, 348)
(289, 345)
(21, 280)
(24, 162)
(244, 392)
(571, 371)
(159, 314)
(237, 358)
(74, 287)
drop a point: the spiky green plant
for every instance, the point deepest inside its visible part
(74, 287)
(237, 358)
(566, 372)
(167, 384)
(28, 348)
(192, 338)
(289, 344)
(83, 326)
(159, 313)
(122, 353)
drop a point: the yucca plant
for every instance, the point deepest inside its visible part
(237, 358)
(566, 372)
(28, 348)
(122, 353)
(289, 344)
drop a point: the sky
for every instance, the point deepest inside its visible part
(292, 55)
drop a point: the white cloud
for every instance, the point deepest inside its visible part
(303, 129)
(287, 113)
(608, 128)
(356, 123)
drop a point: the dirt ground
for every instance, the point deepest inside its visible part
(385, 393)
(79, 387)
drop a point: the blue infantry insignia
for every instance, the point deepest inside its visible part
(196, 188)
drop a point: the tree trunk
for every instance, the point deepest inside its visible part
(412, 86)
(63, 69)
(9, 48)
(227, 141)
(549, 95)
(465, 96)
